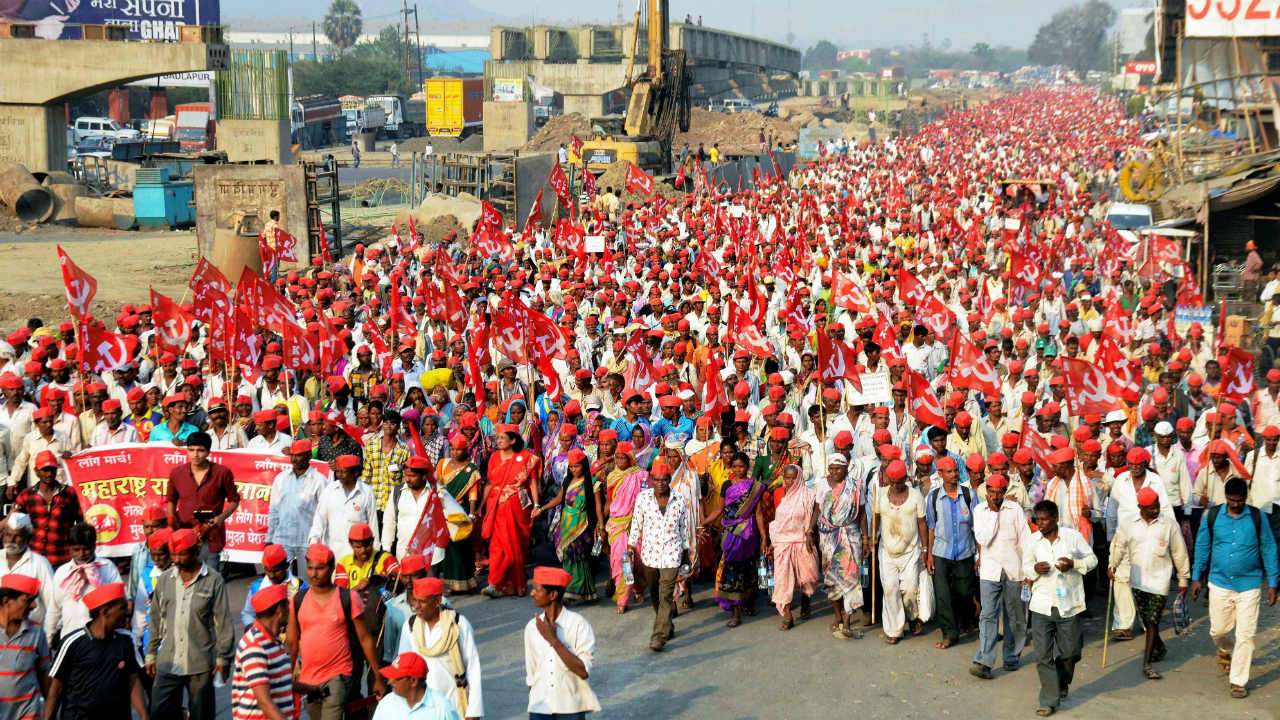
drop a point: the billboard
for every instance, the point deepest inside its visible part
(1140, 67)
(1232, 18)
(158, 20)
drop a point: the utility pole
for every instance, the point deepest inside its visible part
(315, 48)
(417, 44)
(404, 18)
(290, 45)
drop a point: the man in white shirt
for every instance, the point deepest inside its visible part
(661, 520)
(1123, 507)
(446, 641)
(1170, 462)
(268, 438)
(1264, 489)
(343, 504)
(1144, 554)
(1056, 565)
(1001, 533)
(295, 493)
(112, 430)
(18, 558)
(559, 650)
(75, 579)
(42, 437)
(404, 508)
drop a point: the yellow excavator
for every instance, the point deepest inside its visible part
(658, 107)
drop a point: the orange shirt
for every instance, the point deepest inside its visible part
(322, 642)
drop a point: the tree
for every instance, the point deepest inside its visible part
(1075, 37)
(821, 56)
(342, 24)
(983, 55)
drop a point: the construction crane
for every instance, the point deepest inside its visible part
(658, 107)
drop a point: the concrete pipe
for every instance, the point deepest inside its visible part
(64, 201)
(23, 195)
(59, 177)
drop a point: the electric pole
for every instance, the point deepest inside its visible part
(315, 48)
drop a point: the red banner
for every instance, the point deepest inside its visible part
(115, 483)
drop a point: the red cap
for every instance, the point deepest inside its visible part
(360, 531)
(428, 587)
(896, 470)
(24, 584)
(274, 556)
(408, 665)
(318, 553)
(843, 439)
(154, 513)
(160, 539)
(552, 576)
(411, 564)
(183, 540)
(264, 416)
(998, 482)
(46, 459)
(1147, 497)
(300, 447)
(104, 594)
(418, 462)
(975, 462)
(268, 597)
(1061, 456)
(1185, 424)
(1138, 455)
(946, 462)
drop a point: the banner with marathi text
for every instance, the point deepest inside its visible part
(115, 483)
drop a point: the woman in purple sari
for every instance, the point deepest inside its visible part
(744, 539)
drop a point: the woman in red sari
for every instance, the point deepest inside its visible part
(510, 496)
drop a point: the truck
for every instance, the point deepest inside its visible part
(316, 121)
(455, 106)
(406, 117)
(195, 127)
(364, 119)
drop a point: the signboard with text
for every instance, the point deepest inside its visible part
(1140, 67)
(1233, 18)
(147, 19)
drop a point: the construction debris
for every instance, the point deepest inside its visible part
(737, 133)
(559, 130)
(23, 196)
(616, 177)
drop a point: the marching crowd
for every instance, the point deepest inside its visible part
(924, 376)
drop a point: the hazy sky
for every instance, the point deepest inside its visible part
(849, 24)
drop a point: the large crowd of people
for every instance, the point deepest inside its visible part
(923, 378)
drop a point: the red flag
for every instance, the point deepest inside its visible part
(970, 368)
(534, 220)
(102, 350)
(910, 290)
(325, 257)
(1118, 323)
(937, 317)
(1023, 270)
(550, 380)
(1237, 374)
(455, 309)
(923, 402)
(246, 344)
(589, 183)
(638, 181)
(837, 360)
(680, 176)
(848, 293)
(299, 348)
(173, 324)
(489, 216)
(432, 530)
(1123, 374)
(1087, 388)
(575, 145)
(711, 390)
(887, 339)
(639, 372)
(79, 285)
(560, 185)
(477, 356)
(210, 292)
(746, 334)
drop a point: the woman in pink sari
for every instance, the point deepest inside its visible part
(623, 484)
(792, 535)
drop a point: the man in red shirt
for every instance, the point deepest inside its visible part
(54, 509)
(325, 627)
(202, 495)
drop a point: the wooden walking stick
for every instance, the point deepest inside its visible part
(1106, 620)
(873, 554)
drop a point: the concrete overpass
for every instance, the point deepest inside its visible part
(46, 73)
(587, 64)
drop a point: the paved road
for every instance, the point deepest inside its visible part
(757, 672)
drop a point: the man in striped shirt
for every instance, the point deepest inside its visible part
(24, 654)
(262, 685)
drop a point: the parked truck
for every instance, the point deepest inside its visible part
(364, 119)
(316, 121)
(195, 127)
(406, 117)
(455, 106)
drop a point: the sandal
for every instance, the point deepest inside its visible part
(733, 623)
(1239, 692)
(944, 643)
(1151, 673)
(1122, 635)
(917, 628)
(889, 639)
(1224, 662)
(1045, 711)
(787, 624)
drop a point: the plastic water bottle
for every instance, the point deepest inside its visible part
(597, 547)
(762, 571)
(1026, 593)
(628, 574)
(218, 680)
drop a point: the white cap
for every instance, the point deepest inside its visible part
(1164, 428)
(19, 521)
(1115, 416)
(838, 459)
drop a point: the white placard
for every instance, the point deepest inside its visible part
(876, 390)
(594, 243)
(1233, 18)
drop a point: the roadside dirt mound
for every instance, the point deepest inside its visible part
(616, 178)
(559, 129)
(738, 133)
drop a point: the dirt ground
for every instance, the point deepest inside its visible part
(124, 263)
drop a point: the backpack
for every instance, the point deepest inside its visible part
(1254, 514)
(937, 492)
(344, 597)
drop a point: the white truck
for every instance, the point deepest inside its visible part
(371, 118)
(405, 117)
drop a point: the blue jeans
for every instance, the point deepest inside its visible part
(1003, 598)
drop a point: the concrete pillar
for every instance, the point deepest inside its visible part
(118, 105)
(34, 135)
(252, 140)
(159, 106)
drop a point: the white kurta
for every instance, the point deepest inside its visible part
(440, 671)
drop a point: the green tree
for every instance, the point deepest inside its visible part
(342, 24)
(983, 56)
(1075, 37)
(821, 56)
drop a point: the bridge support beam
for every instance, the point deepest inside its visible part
(34, 135)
